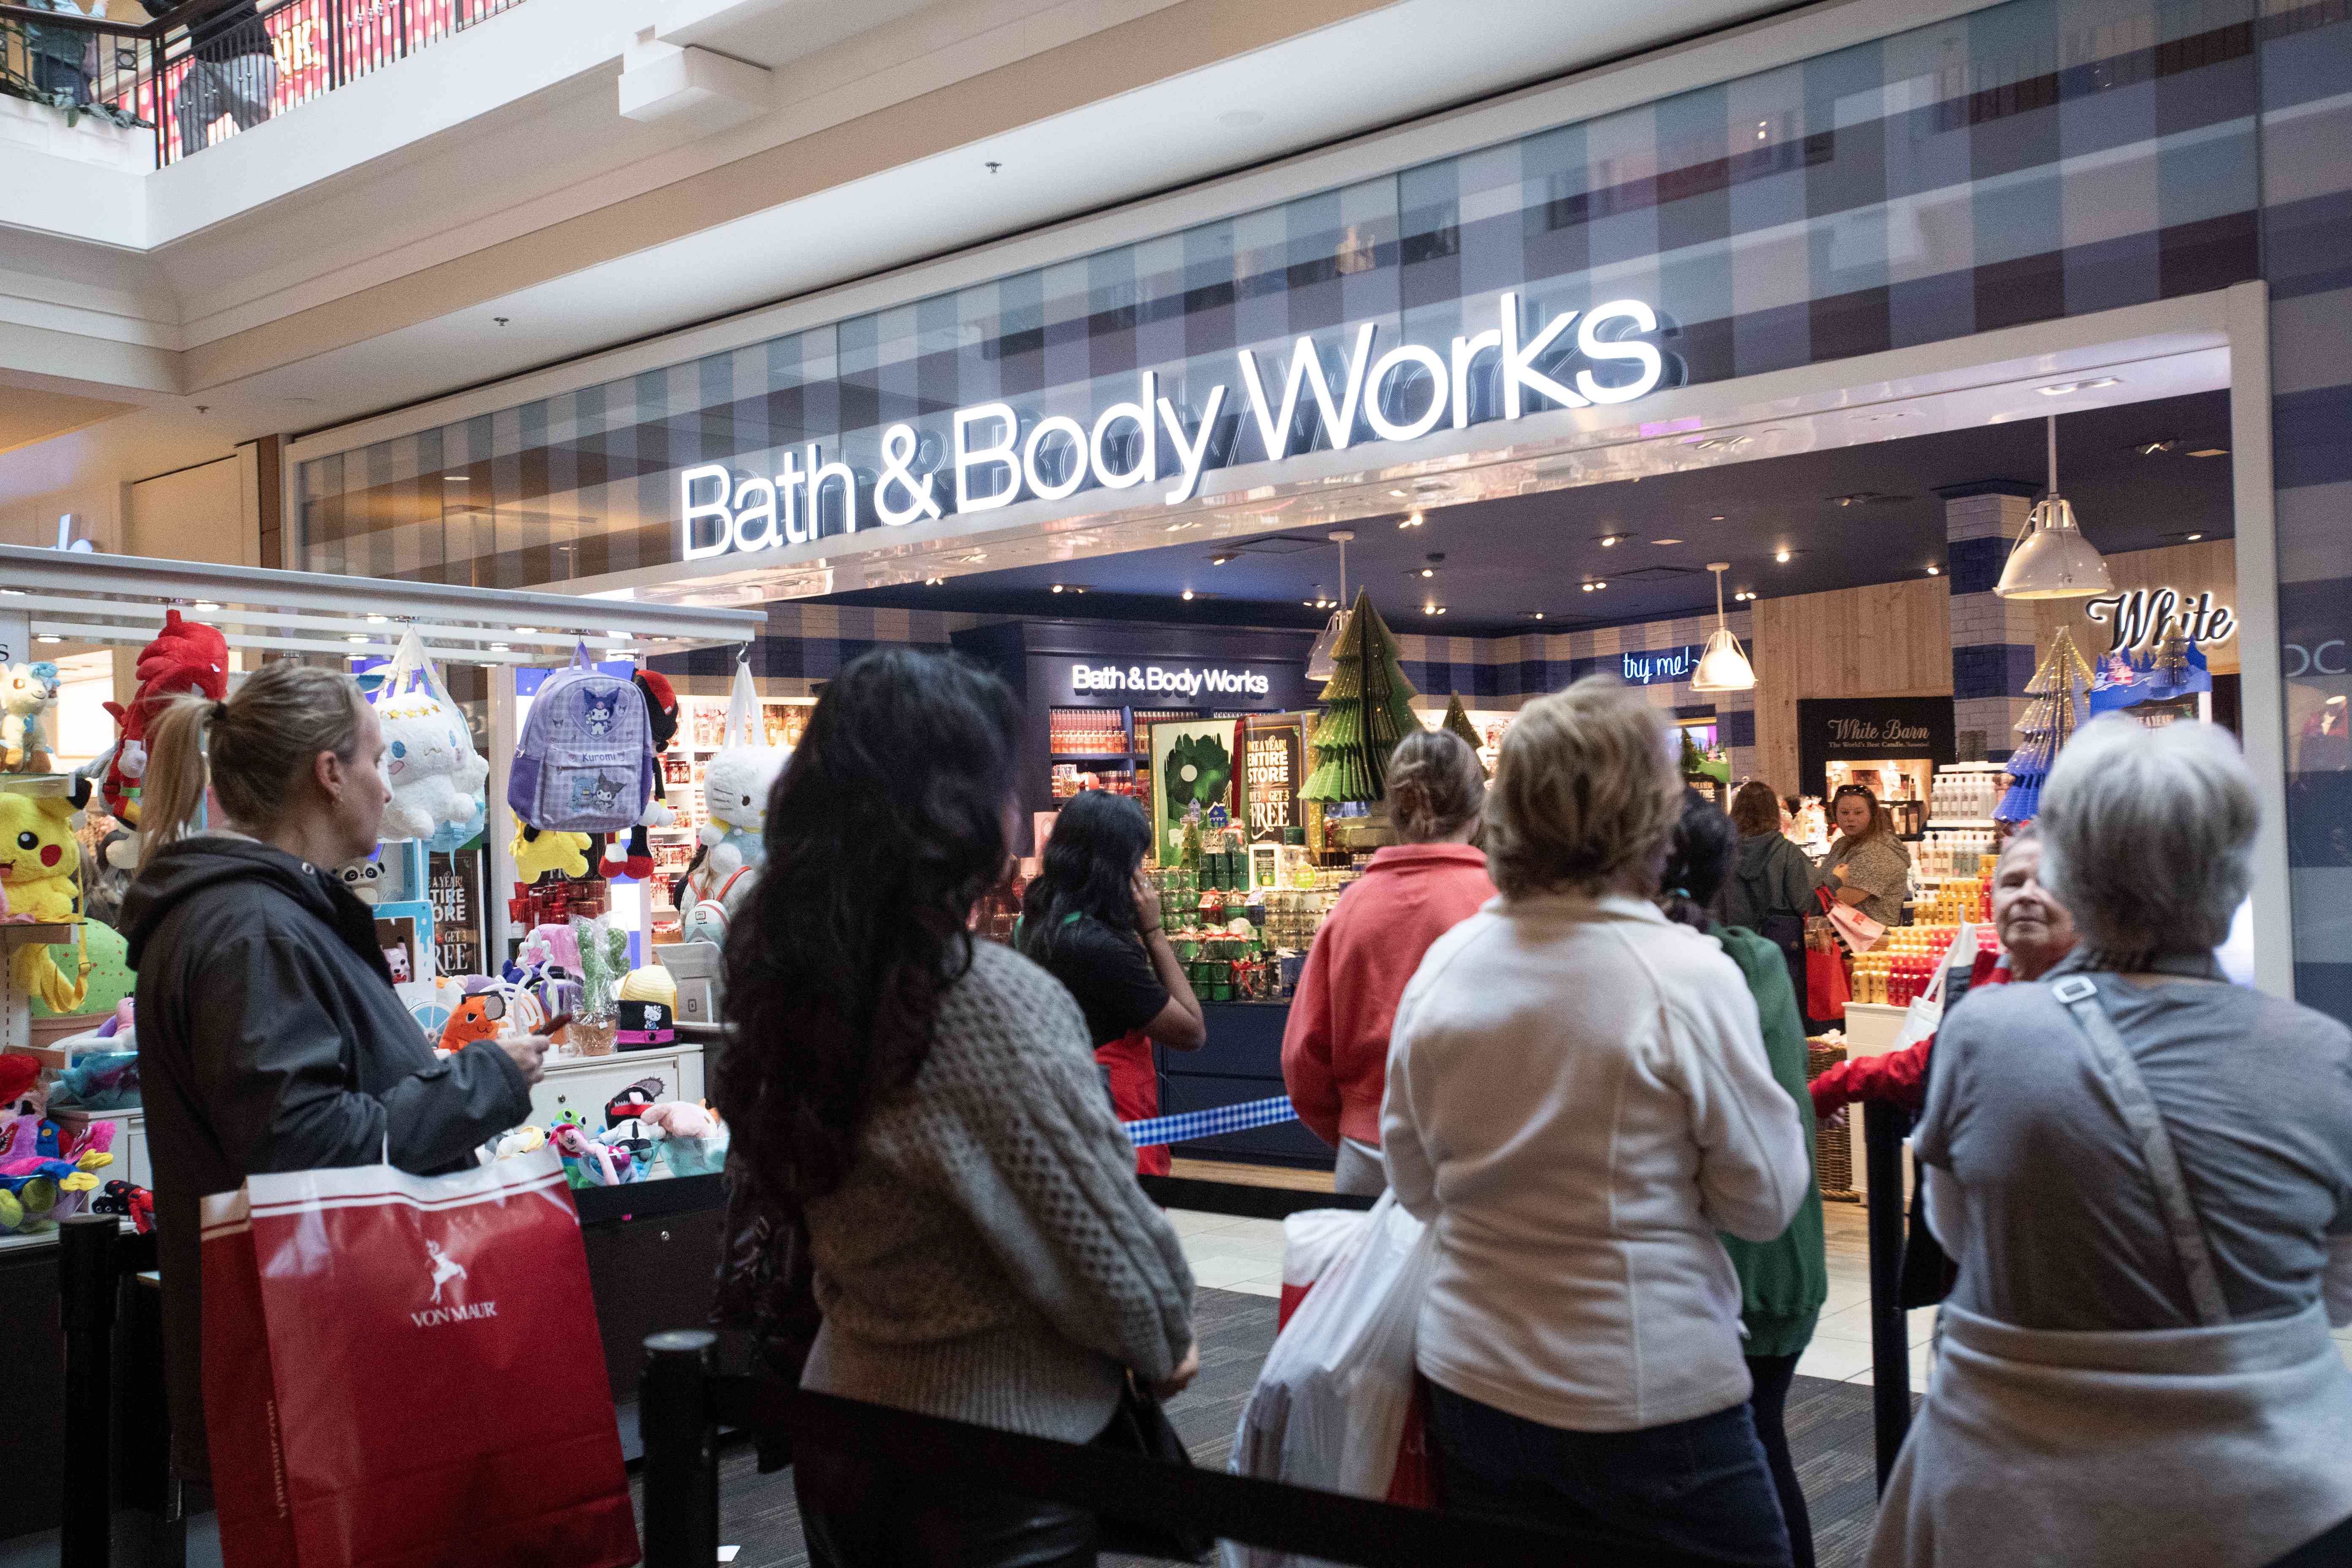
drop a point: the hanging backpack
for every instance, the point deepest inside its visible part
(585, 761)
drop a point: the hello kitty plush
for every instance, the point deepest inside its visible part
(432, 768)
(735, 786)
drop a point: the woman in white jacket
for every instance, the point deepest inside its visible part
(1579, 1101)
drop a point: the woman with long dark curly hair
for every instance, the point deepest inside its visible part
(1092, 919)
(926, 1105)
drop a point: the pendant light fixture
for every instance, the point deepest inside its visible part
(1320, 662)
(2052, 559)
(1721, 666)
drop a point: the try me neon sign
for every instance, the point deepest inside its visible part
(996, 457)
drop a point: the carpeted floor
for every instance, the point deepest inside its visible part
(1829, 1431)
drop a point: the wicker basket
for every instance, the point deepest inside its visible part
(1832, 1144)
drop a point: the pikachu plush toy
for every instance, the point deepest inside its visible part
(40, 863)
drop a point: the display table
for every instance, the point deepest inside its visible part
(1241, 1062)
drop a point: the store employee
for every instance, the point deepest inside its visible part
(1092, 921)
(1868, 866)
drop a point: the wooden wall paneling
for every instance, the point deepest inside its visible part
(1886, 639)
(2209, 566)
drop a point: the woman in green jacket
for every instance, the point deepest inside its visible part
(1784, 1281)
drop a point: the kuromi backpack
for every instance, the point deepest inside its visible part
(585, 761)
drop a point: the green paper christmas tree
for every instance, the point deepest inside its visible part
(1457, 719)
(1367, 709)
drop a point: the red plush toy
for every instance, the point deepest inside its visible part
(661, 717)
(186, 656)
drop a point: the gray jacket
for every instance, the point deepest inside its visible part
(1772, 878)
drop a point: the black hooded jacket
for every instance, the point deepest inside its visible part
(270, 1039)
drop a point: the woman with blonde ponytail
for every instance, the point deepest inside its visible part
(269, 1035)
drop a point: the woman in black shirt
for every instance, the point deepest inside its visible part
(1091, 919)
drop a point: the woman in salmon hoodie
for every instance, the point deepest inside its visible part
(1335, 1051)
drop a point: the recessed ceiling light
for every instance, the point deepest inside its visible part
(1597, 584)
(1432, 609)
(378, 620)
(2211, 452)
(1057, 587)
(933, 581)
(2060, 389)
(1717, 518)
(1398, 494)
(1188, 595)
(2192, 537)
(498, 647)
(1743, 596)
(457, 478)
(1666, 542)
(203, 607)
(48, 638)
(1781, 556)
(1219, 560)
(2155, 448)
(1935, 571)
(1429, 571)
(1411, 520)
(1075, 589)
(356, 636)
(1531, 615)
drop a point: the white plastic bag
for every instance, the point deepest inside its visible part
(1312, 1241)
(1925, 1014)
(1329, 1407)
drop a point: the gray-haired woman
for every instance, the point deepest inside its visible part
(2145, 1174)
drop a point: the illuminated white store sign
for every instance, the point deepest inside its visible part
(996, 458)
(1155, 680)
(2139, 619)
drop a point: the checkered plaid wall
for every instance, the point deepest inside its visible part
(2038, 159)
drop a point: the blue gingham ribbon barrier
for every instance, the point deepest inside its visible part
(1195, 1124)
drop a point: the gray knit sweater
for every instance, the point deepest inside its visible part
(990, 1257)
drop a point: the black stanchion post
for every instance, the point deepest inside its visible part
(85, 1287)
(681, 1469)
(1890, 1346)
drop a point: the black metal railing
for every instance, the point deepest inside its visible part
(204, 71)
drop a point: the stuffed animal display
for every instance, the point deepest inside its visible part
(46, 1166)
(434, 774)
(186, 656)
(39, 862)
(638, 1138)
(26, 691)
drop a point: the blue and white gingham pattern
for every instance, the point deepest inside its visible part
(1195, 1124)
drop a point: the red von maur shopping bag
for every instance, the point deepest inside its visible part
(404, 1371)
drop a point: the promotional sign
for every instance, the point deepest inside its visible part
(994, 453)
(1111, 681)
(1870, 729)
(1664, 667)
(1192, 764)
(453, 887)
(2137, 620)
(1271, 749)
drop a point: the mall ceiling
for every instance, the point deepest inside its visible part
(1845, 517)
